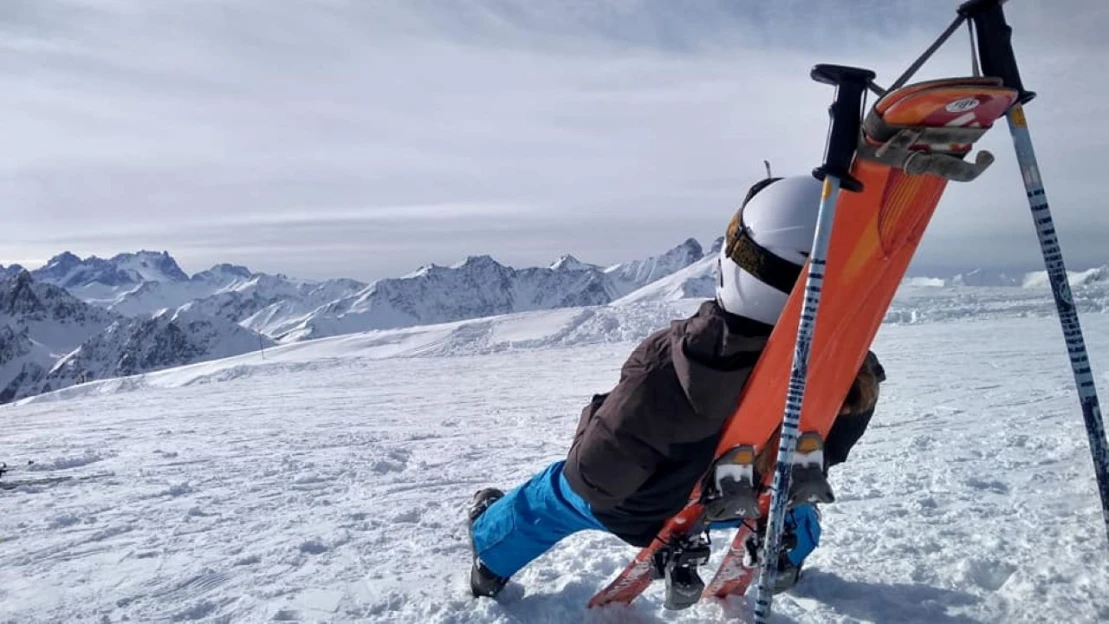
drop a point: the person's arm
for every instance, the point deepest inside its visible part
(858, 408)
(618, 449)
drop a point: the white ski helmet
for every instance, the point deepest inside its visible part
(767, 242)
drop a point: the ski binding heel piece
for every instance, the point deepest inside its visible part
(678, 564)
(733, 492)
(808, 483)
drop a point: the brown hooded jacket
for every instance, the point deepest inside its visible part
(639, 448)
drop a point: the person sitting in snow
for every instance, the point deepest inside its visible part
(640, 448)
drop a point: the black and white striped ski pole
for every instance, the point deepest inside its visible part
(846, 117)
(995, 51)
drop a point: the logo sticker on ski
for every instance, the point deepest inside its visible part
(962, 106)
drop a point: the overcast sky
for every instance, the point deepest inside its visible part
(328, 138)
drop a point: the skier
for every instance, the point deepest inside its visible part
(640, 448)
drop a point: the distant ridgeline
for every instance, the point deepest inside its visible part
(79, 319)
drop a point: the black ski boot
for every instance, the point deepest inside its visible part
(787, 574)
(482, 580)
(678, 563)
(809, 482)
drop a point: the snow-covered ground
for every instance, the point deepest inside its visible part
(326, 481)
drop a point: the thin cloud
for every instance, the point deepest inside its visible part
(282, 135)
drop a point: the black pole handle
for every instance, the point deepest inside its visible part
(995, 46)
(845, 115)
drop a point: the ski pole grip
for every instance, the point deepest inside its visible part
(845, 120)
(995, 46)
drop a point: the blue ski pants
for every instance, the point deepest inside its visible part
(539, 513)
(529, 520)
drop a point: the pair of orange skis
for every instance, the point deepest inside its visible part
(913, 141)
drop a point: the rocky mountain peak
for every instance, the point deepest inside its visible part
(18, 296)
(567, 262)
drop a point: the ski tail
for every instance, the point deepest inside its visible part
(644, 568)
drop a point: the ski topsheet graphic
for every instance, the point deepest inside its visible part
(913, 141)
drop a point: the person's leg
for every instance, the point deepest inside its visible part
(801, 536)
(804, 523)
(803, 526)
(528, 521)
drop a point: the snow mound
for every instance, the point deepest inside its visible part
(930, 282)
(1076, 279)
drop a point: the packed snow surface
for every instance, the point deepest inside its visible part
(327, 481)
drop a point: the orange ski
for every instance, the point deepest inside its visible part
(913, 141)
(875, 235)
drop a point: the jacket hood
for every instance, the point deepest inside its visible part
(713, 354)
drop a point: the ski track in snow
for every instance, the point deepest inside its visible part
(335, 491)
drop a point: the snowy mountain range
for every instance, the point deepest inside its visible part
(51, 315)
(1000, 278)
(139, 345)
(10, 271)
(50, 339)
(69, 271)
(78, 319)
(39, 323)
(479, 287)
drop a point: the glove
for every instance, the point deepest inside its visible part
(863, 394)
